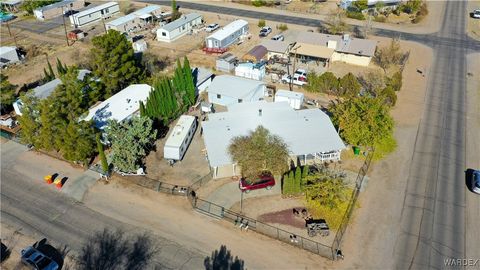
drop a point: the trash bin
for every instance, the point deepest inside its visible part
(356, 150)
(58, 183)
(48, 179)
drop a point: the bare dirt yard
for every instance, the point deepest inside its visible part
(473, 25)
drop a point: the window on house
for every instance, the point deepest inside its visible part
(164, 34)
(183, 27)
(101, 11)
(219, 96)
(181, 149)
(240, 100)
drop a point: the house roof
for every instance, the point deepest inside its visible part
(275, 45)
(228, 30)
(289, 94)
(345, 44)
(56, 5)
(313, 50)
(233, 86)
(7, 49)
(200, 75)
(45, 90)
(228, 57)
(309, 131)
(95, 9)
(119, 106)
(255, 54)
(139, 13)
(180, 131)
(181, 21)
(11, 2)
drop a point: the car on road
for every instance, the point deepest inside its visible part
(37, 260)
(476, 14)
(264, 180)
(475, 181)
(212, 27)
(278, 37)
(266, 30)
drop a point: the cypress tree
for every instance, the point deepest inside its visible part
(291, 179)
(50, 71)
(190, 87)
(298, 179)
(101, 154)
(60, 69)
(305, 170)
(142, 109)
(47, 76)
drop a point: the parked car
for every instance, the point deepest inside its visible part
(37, 260)
(278, 37)
(475, 181)
(264, 180)
(298, 78)
(212, 27)
(476, 14)
(266, 30)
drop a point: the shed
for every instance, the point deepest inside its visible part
(226, 62)
(255, 71)
(94, 14)
(8, 55)
(294, 99)
(227, 89)
(179, 27)
(180, 137)
(76, 34)
(139, 45)
(57, 9)
(256, 54)
(227, 35)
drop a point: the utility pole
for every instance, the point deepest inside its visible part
(10, 33)
(293, 69)
(290, 46)
(65, 28)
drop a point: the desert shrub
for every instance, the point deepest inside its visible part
(380, 18)
(261, 23)
(355, 15)
(282, 27)
(259, 3)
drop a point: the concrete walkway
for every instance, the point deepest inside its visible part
(78, 187)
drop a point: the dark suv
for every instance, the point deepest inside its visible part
(264, 180)
(37, 260)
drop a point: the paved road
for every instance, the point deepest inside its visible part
(433, 222)
(28, 204)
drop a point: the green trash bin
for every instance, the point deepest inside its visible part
(356, 150)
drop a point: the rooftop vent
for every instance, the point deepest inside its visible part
(259, 112)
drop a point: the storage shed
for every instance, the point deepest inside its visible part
(227, 35)
(8, 55)
(295, 99)
(57, 9)
(180, 137)
(179, 27)
(256, 54)
(94, 14)
(226, 62)
(255, 71)
(135, 20)
(226, 90)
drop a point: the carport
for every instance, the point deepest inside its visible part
(309, 52)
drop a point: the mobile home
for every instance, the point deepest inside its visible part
(179, 27)
(135, 20)
(180, 138)
(97, 13)
(227, 35)
(57, 9)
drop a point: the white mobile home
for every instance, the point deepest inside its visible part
(226, 90)
(136, 20)
(97, 13)
(294, 99)
(227, 35)
(180, 138)
(179, 27)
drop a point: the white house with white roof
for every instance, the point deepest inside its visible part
(119, 107)
(228, 35)
(227, 89)
(135, 20)
(180, 137)
(309, 134)
(103, 11)
(294, 99)
(178, 28)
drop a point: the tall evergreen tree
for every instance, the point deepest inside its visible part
(61, 70)
(298, 179)
(28, 120)
(190, 86)
(51, 74)
(101, 154)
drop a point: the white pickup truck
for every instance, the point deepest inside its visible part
(299, 77)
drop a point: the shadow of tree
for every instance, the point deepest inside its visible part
(223, 260)
(113, 250)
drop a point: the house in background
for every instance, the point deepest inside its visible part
(45, 90)
(330, 48)
(135, 20)
(226, 62)
(228, 35)
(226, 90)
(8, 55)
(276, 48)
(101, 12)
(202, 79)
(11, 5)
(309, 134)
(119, 107)
(256, 54)
(57, 9)
(178, 28)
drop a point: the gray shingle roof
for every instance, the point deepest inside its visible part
(181, 21)
(351, 45)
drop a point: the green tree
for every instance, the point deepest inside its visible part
(258, 151)
(349, 86)
(28, 119)
(305, 171)
(360, 4)
(288, 183)
(390, 55)
(373, 81)
(61, 68)
(50, 125)
(190, 87)
(298, 179)
(30, 5)
(78, 141)
(364, 121)
(328, 83)
(101, 154)
(395, 81)
(69, 97)
(7, 93)
(388, 96)
(328, 191)
(114, 62)
(130, 142)
(49, 74)
(175, 13)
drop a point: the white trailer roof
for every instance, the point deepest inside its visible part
(95, 9)
(289, 94)
(304, 131)
(228, 30)
(180, 131)
(119, 106)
